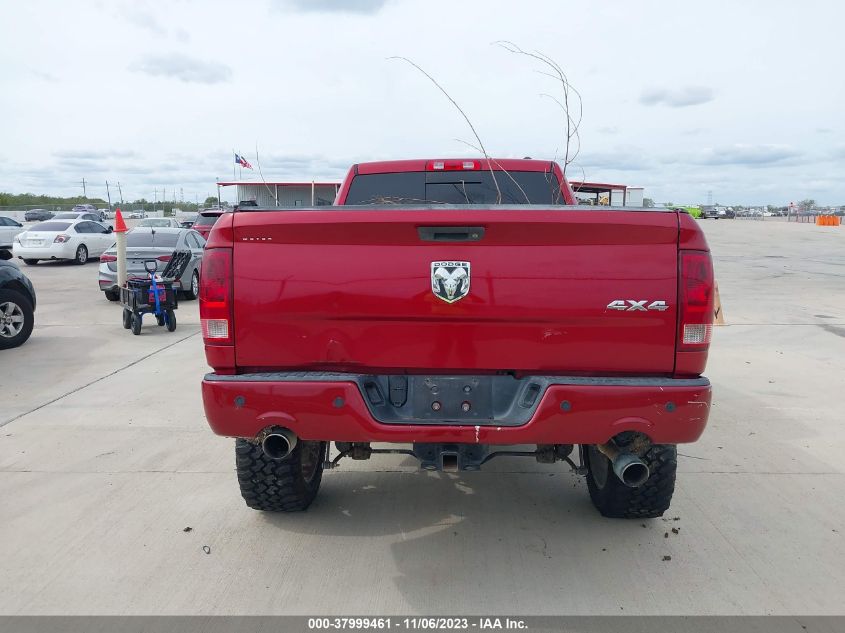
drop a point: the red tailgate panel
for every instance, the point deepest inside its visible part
(351, 289)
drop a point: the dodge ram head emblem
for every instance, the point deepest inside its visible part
(450, 280)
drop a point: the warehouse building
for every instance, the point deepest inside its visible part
(284, 194)
(606, 194)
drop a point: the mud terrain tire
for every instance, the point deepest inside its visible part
(616, 500)
(284, 485)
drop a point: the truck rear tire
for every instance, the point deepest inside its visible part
(616, 500)
(279, 485)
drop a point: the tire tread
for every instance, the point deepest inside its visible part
(651, 500)
(274, 485)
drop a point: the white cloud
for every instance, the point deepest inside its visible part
(339, 6)
(677, 97)
(753, 155)
(183, 68)
(143, 19)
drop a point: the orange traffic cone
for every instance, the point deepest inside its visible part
(119, 224)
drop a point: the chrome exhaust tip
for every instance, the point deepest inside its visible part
(278, 444)
(630, 469)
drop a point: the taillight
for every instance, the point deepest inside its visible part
(164, 258)
(61, 238)
(105, 257)
(216, 296)
(695, 296)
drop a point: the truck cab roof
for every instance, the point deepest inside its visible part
(451, 164)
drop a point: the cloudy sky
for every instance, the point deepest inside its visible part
(744, 99)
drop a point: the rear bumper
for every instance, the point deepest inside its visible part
(64, 250)
(571, 410)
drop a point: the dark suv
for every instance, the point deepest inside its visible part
(17, 304)
(37, 215)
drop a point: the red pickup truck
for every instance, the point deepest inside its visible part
(457, 310)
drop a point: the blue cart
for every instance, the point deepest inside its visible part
(153, 295)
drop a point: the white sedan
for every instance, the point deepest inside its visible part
(77, 240)
(9, 228)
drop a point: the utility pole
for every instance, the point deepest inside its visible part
(120, 192)
(108, 194)
(84, 193)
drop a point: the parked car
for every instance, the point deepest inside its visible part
(205, 220)
(76, 240)
(37, 215)
(584, 326)
(150, 243)
(90, 208)
(77, 215)
(82, 215)
(134, 215)
(161, 223)
(17, 304)
(9, 228)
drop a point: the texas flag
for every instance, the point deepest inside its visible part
(240, 160)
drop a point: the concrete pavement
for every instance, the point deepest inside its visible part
(105, 460)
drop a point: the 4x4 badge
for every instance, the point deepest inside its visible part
(450, 280)
(633, 305)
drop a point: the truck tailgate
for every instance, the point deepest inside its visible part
(351, 289)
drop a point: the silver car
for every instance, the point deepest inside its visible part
(150, 243)
(160, 223)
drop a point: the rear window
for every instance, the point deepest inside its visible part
(66, 216)
(50, 226)
(156, 222)
(206, 220)
(452, 187)
(152, 238)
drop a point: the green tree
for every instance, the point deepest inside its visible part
(648, 202)
(32, 199)
(807, 204)
(210, 200)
